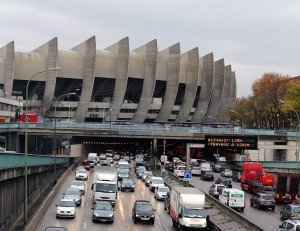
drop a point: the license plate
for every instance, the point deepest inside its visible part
(145, 219)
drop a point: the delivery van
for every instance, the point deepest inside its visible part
(233, 198)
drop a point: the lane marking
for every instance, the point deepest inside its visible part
(84, 225)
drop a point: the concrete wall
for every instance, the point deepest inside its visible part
(40, 180)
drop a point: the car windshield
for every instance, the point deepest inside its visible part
(124, 171)
(268, 197)
(66, 204)
(73, 192)
(227, 182)
(296, 210)
(123, 166)
(208, 173)
(181, 168)
(163, 189)
(157, 181)
(220, 188)
(127, 181)
(143, 207)
(104, 187)
(109, 158)
(217, 166)
(103, 206)
(81, 171)
(78, 183)
(199, 213)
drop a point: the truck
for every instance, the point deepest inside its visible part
(187, 208)
(287, 188)
(105, 186)
(204, 167)
(254, 179)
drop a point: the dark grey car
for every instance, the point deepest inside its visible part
(103, 212)
(263, 200)
(73, 194)
(290, 212)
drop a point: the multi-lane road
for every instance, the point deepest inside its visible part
(123, 221)
(266, 219)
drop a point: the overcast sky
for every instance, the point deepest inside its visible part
(254, 36)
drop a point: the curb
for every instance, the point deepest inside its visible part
(34, 222)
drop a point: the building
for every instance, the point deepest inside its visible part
(142, 85)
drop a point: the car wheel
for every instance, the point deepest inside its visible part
(273, 208)
(251, 203)
(258, 206)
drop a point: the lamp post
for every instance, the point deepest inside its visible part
(201, 119)
(26, 142)
(110, 118)
(241, 117)
(55, 105)
(297, 137)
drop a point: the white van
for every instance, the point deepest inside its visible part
(179, 171)
(233, 198)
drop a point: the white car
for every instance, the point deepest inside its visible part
(81, 174)
(146, 174)
(226, 173)
(78, 184)
(156, 182)
(179, 171)
(66, 208)
(161, 192)
(292, 225)
(148, 179)
(196, 170)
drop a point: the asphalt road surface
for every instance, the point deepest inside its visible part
(266, 219)
(122, 217)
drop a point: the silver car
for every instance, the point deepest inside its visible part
(66, 208)
(103, 212)
(226, 173)
(73, 194)
(79, 185)
(161, 192)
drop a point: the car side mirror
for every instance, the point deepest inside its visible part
(92, 187)
(56, 205)
(179, 215)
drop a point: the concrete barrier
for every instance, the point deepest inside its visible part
(34, 222)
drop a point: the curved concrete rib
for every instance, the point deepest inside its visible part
(121, 50)
(232, 90)
(192, 67)
(224, 103)
(173, 56)
(206, 70)
(149, 52)
(49, 50)
(8, 53)
(87, 50)
(217, 89)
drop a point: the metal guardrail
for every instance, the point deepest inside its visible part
(15, 160)
(227, 210)
(148, 128)
(266, 164)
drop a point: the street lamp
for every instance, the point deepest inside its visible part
(26, 141)
(297, 137)
(110, 118)
(241, 117)
(55, 105)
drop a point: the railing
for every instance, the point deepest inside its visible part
(15, 160)
(266, 164)
(148, 128)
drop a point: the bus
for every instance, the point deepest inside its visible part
(2, 143)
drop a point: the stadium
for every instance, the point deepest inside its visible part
(143, 85)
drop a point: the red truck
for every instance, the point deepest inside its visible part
(253, 177)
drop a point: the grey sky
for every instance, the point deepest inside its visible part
(254, 36)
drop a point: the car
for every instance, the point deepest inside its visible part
(123, 164)
(102, 156)
(161, 192)
(156, 182)
(179, 171)
(91, 163)
(110, 159)
(123, 173)
(226, 173)
(127, 158)
(139, 168)
(263, 200)
(292, 225)
(140, 173)
(73, 194)
(105, 162)
(226, 182)
(207, 176)
(216, 168)
(79, 185)
(196, 170)
(215, 190)
(79, 168)
(148, 179)
(143, 211)
(236, 176)
(81, 174)
(290, 212)
(146, 173)
(86, 165)
(167, 202)
(66, 208)
(116, 157)
(103, 212)
(127, 184)
(56, 228)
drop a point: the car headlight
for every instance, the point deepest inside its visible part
(152, 215)
(132, 186)
(58, 211)
(137, 215)
(96, 215)
(123, 185)
(111, 215)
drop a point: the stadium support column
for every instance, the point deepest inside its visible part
(8, 54)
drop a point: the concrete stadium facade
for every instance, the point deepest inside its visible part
(143, 85)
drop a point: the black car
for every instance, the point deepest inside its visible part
(103, 211)
(217, 168)
(236, 176)
(127, 184)
(263, 200)
(167, 202)
(207, 176)
(143, 211)
(225, 182)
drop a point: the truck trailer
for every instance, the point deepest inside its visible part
(187, 208)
